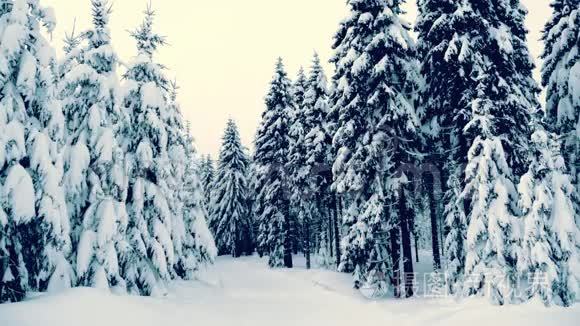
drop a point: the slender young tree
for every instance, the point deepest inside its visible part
(271, 204)
(550, 233)
(229, 211)
(34, 225)
(301, 207)
(318, 148)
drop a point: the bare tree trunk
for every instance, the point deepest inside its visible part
(416, 247)
(337, 220)
(288, 242)
(394, 236)
(406, 243)
(433, 214)
(307, 243)
(330, 232)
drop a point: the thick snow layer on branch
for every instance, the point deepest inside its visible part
(19, 195)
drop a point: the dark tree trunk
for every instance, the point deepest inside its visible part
(295, 227)
(433, 214)
(307, 243)
(330, 232)
(406, 243)
(444, 176)
(337, 218)
(416, 247)
(288, 242)
(394, 236)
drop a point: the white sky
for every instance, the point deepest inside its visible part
(223, 52)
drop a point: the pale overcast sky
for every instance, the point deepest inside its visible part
(223, 52)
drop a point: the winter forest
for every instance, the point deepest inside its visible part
(427, 178)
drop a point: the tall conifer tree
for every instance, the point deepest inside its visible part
(95, 177)
(148, 260)
(375, 74)
(229, 212)
(34, 225)
(271, 204)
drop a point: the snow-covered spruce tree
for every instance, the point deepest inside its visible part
(301, 199)
(455, 53)
(149, 256)
(34, 225)
(447, 85)
(174, 168)
(491, 232)
(318, 148)
(207, 175)
(95, 177)
(271, 202)
(229, 212)
(194, 243)
(375, 73)
(561, 77)
(549, 250)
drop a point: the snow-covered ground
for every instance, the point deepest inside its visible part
(246, 292)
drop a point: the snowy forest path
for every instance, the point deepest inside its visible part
(245, 291)
(256, 294)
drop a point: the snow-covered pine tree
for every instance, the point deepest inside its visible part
(491, 232)
(271, 201)
(550, 235)
(229, 212)
(34, 225)
(455, 55)
(95, 177)
(446, 81)
(318, 149)
(149, 257)
(172, 186)
(375, 74)
(207, 175)
(301, 199)
(199, 247)
(561, 77)
(193, 242)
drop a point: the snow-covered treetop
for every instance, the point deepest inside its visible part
(280, 87)
(232, 155)
(101, 12)
(147, 40)
(71, 40)
(143, 69)
(299, 88)
(316, 97)
(271, 139)
(297, 118)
